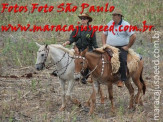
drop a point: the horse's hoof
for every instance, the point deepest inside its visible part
(136, 102)
(80, 105)
(131, 108)
(62, 108)
(136, 106)
(113, 110)
(140, 103)
(90, 113)
(102, 101)
(87, 104)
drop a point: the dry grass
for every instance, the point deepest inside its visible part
(38, 99)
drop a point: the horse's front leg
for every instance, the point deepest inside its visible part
(69, 93)
(87, 104)
(62, 84)
(93, 97)
(110, 91)
(101, 95)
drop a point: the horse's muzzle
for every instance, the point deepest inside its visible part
(77, 76)
(39, 66)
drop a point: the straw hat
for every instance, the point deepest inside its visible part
(117, 11)
(85, 15)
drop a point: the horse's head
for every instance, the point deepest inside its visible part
(80, 64)
(42, 56)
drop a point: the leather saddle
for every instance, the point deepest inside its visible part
(107, 50)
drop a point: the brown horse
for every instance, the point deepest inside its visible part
(101, 70)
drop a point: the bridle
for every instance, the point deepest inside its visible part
(66, 66)
(46, 56)
(84, 60)
(49, 65)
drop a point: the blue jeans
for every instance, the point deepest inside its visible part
(123, 63)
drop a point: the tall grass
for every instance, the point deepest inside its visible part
(19, 53)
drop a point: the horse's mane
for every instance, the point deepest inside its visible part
(70, 52)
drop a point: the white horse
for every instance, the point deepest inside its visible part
(63, 59)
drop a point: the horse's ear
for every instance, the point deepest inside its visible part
(46, 45)
(38, 44)
(76, 53)
(86, 50)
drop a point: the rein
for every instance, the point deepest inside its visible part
(49, 65)
(64, 66)
(94, 68)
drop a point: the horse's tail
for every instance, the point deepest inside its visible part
(142, 81)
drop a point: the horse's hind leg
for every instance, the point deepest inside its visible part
(131, 91)
(136, 80)
(62, 83)
(69, 91)
(140, 86)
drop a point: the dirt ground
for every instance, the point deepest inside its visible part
(37, 97)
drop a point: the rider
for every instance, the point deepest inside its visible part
(121, 39)
(83, 39)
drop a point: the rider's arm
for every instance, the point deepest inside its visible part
(71, 39)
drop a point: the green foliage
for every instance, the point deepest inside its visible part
(19, 53)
